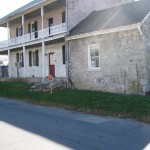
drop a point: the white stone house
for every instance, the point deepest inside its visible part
(110, 50)
(36, 35)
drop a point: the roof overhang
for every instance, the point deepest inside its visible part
(105, 31)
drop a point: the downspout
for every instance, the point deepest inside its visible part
(139, 29)
(67, 44)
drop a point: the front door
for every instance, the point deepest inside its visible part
(51, 64)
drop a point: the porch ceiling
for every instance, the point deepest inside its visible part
(37, 12)
(4, 52)
(55, 5)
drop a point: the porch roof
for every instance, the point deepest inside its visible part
(23, 8)
(49, 5)
(123, 15)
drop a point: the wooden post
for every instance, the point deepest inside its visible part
(50, 78)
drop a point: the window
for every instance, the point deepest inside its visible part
(18, 31)
(36, 58)
(30, 59)
(94, 56)
(17, 57)
(63, 54)
(50, 24)
(20, 59)
(33, 28)
(63, 17)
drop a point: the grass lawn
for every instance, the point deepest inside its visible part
(137, 107)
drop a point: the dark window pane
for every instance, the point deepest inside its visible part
(17, 57)
(29, 28)
(63, 17)
(37, 57)
(22, 60)
(63, 54)
(30, 58)
(16, 32)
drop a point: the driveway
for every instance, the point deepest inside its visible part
(30, 127)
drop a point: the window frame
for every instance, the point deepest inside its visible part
(89, 56)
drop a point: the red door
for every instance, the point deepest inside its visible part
(51, 65)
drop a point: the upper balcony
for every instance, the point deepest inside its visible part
(44, 21)
(36, 35)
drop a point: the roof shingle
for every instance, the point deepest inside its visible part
(127, 14)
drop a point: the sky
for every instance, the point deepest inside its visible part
(6, 7)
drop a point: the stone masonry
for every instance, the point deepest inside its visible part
(122, 63)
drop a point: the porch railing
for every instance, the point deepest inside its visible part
(48, 32)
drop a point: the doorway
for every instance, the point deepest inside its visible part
(51, 65)
(50, 24)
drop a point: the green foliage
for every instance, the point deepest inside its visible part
(103, 103)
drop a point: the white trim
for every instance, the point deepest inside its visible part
(24, 59)
(145, 18)
(105, 31)
(140, 31)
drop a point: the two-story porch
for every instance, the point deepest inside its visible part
(35, 44)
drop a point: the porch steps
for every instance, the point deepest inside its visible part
(56, 83)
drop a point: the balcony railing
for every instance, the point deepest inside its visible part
(48, 32)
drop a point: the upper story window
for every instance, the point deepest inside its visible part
(33, 28)
(94, 56)
(19, 31)
(63, 17)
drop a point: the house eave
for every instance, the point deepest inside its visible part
(105, 31)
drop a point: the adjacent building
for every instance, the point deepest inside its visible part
(110, 50)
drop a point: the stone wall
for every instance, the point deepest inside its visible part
(122, 63)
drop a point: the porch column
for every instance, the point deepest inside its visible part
(24, 60)
(43, 59)
(8, 31)
(9, 70)
(24, 50)
(42, 20)
(23, 28)
(43, 43)
(67, 17)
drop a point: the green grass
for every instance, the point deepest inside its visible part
(137, 107)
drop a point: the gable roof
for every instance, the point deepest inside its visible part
(23, 8)
(122, 15)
